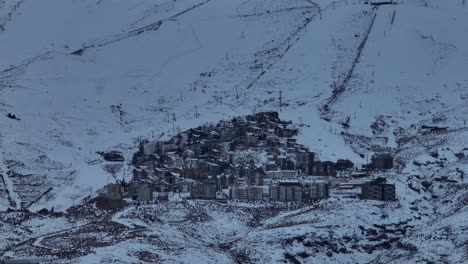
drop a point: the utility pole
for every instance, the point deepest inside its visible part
(173, 122)
(280, 99)
(237, 93)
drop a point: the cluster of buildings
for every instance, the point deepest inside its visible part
(288, 191)
(247, 158)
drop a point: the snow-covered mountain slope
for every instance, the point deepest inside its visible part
(395, 74)
(72, 106)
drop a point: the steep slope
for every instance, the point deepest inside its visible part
(77, 105)
(354, 75)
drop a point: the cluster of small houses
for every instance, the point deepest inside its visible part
(253, 158)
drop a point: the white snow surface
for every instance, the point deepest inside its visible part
(225, 58)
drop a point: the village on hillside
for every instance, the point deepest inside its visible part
(248, 159)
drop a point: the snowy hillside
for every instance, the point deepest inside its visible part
(96, 75)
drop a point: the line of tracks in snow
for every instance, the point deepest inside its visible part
(340, 87)
(135, 32)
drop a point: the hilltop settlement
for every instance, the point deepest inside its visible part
(248, 159)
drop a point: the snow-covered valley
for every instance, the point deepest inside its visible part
(96, 75)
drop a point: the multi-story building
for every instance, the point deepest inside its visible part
(316, 191)
(378, 191)
(205, 190)
(251, 193)
(305, 162)
(286, 191)
(256, 177)
(294, 191)
(282, 174)
(382, 161)
(344, 165)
